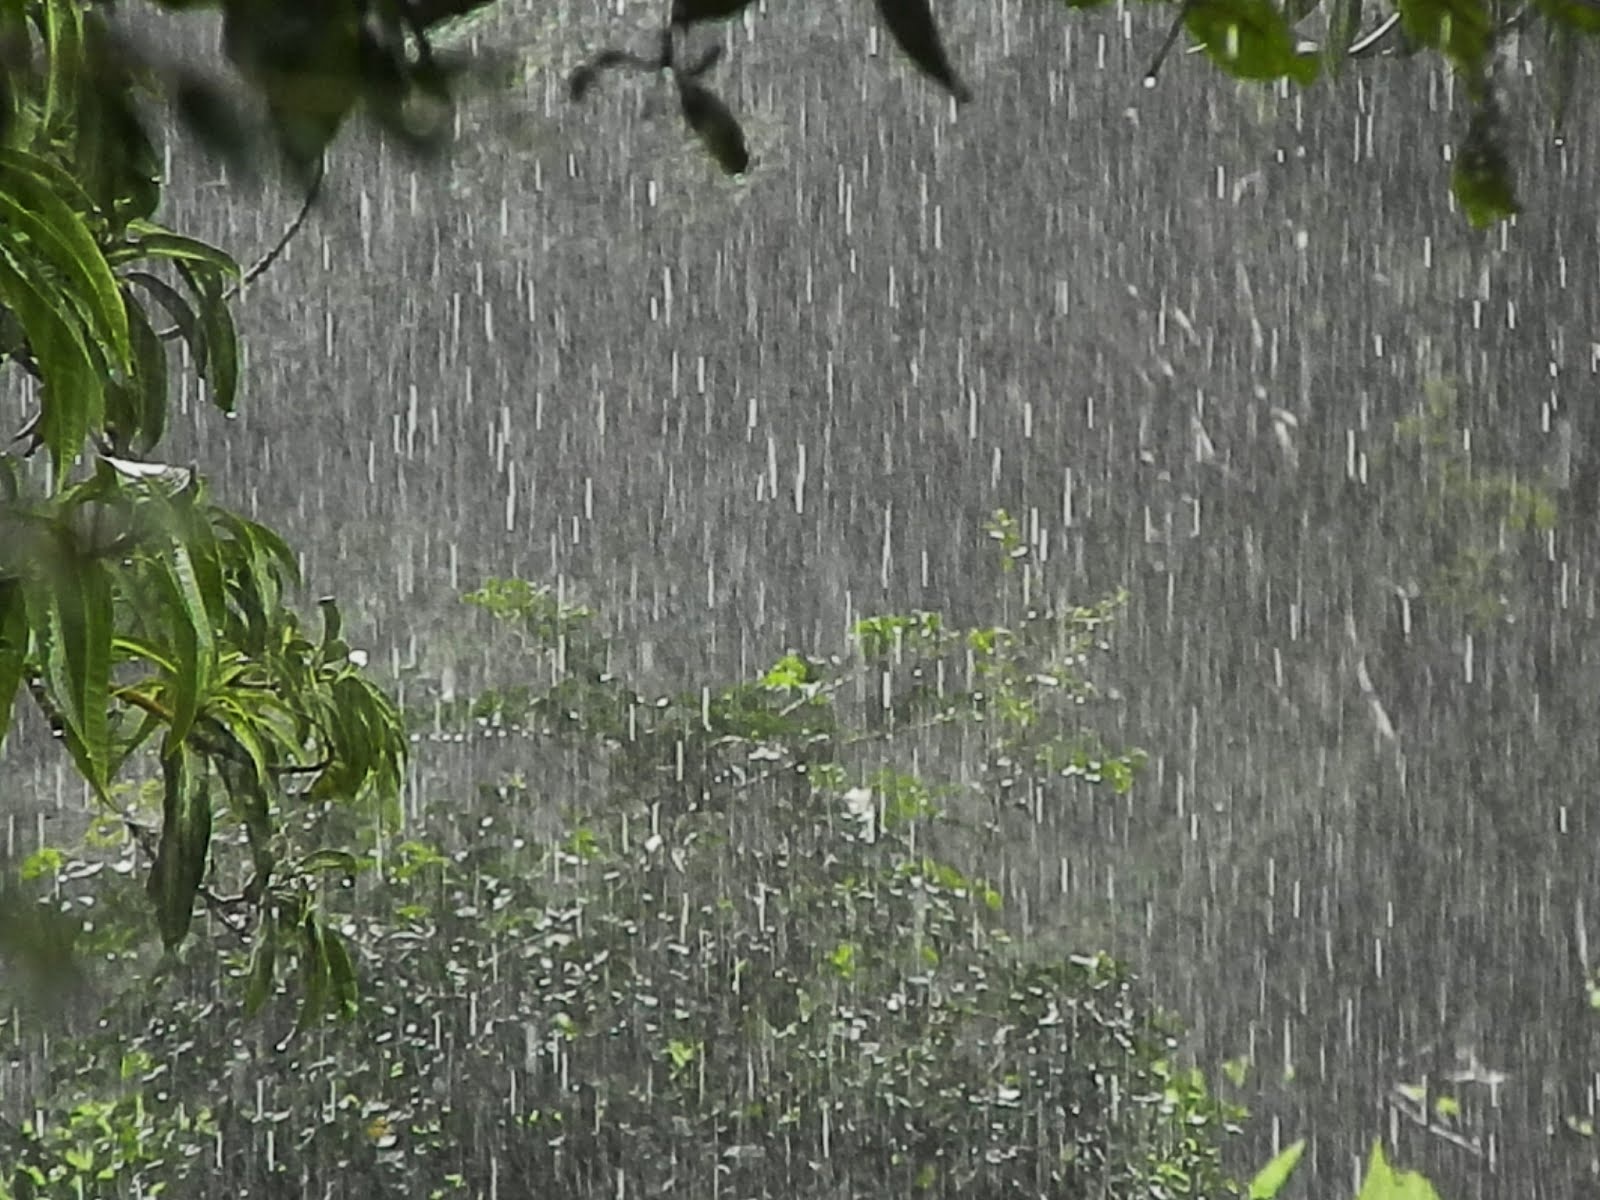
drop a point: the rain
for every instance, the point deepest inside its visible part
(1226, 347)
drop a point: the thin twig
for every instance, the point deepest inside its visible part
(264, 263)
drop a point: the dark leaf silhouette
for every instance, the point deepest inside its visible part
(216, 123)
(692, 12)
(710, 119)
(911, 22)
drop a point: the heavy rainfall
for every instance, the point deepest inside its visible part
(1208, 378)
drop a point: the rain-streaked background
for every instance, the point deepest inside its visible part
(1171, 329)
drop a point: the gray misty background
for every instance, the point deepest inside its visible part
(734, 416)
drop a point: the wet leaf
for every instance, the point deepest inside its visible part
(1249, 39)
(263, 967)
(185, 846)
(692, 12)
(715, 126)
(78, 665)
(1461, 30)
(14, 639)
(1273, 1177)
(1482, 178)
(914, 29)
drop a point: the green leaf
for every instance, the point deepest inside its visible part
(180, 865)
(346, 992)
(1481, 178)
(148, 388)
(329, 860)
(263, 964)
(14, 639)
(193, 641)
(176, 306)
(1270, 1180)
(149, 241)
(1461, 30)
(78, 666)
(314, 973)
(74, 401)
(221, 368)
(31, 206)
(1383, 1182)
(1249, 39)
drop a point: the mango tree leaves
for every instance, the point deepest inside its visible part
(263, 965)
(1250, 39)
(1272, 1178)
(1383, 1182)
(73, 397)
(1481, 178)
(14, 642)
(195, 654)
(181, 861)
(207, 325)
(328, 976)
(912, 25)
(37, 216)
(1461, 30)
(78, 660)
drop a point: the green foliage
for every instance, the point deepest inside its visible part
(1475, 515)
(744, 955)
(131, 606)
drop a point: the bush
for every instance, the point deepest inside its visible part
(728, 951)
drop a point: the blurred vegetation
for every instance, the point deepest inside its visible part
(748, 959)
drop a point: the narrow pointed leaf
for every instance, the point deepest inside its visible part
(148, 387)
(343, 989)
(314, 975)
(222, 343)
(177, 307)
(31, 205)
(912, 25)
(14, 640)
(73, 401)
(1272, 1178)
(180, 865)
(153, 242)
(79, 664)
(192, 640)
(263, 964)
